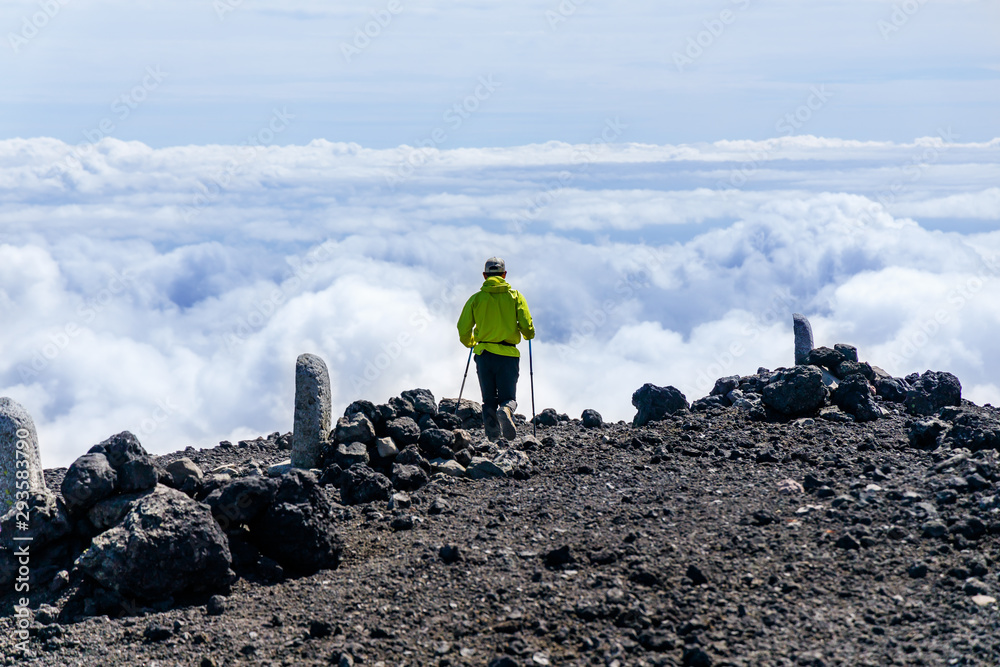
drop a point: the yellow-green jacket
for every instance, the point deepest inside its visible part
(496, 313)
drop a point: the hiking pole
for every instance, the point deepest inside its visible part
(459, 404)
(531, 368)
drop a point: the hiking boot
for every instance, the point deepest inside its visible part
(491, 427)
(506, 420)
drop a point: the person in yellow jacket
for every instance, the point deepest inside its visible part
(492, 323)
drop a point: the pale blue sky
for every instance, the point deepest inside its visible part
(225, 71)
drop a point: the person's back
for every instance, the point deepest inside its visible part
(492, 322)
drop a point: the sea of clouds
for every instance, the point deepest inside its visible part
(169, 291)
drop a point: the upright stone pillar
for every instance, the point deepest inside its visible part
(803, 338)
(313, 410)
(18, 443)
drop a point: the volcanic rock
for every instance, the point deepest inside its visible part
(185, 475)
(347, 454)
(403, 431)
(134, 466)
(89, 480)
(298, 529)
(970, 429)
(654, 403)
(855, 395)
(166, 545)
(891, 389)
(932, 391)
(361, 484)
(591, 419)
(796, 391)
(241, 500)
(825, 357)
(422, 401)
(354, 428)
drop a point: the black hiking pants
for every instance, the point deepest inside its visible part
(498, 380)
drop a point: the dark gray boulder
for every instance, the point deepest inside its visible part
(847, 368)
(932, 391)
(927, 433)
(367, 408)
(970, 429)
(447, 422)
(360, 484)
(725, 385)
(470, 413)
(407, 477)
(167, 545)
(89, 480)
(109, 512)
(422, 400)
(892, 390)
(241, 500)
(654, 403)
(849, 351)
(411, 456)
(134, 466)
(855, 395)
(403, 431)
(355, 428)
(347, 454)
(547, 417)
(592, 419)
(298, 530)
(432, 441)
(185, 475)
(796, 391)
(825, 357)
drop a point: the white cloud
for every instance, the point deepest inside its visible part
(121, 312)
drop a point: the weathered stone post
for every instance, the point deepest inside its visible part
(18, 442)
(313, 410)
(803, 338)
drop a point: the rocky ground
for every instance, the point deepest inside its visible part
(704, 539)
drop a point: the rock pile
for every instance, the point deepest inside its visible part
(375, 450)
(833, 384)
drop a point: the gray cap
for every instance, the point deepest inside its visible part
(495, 266)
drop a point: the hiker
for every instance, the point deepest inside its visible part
(493, 321)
